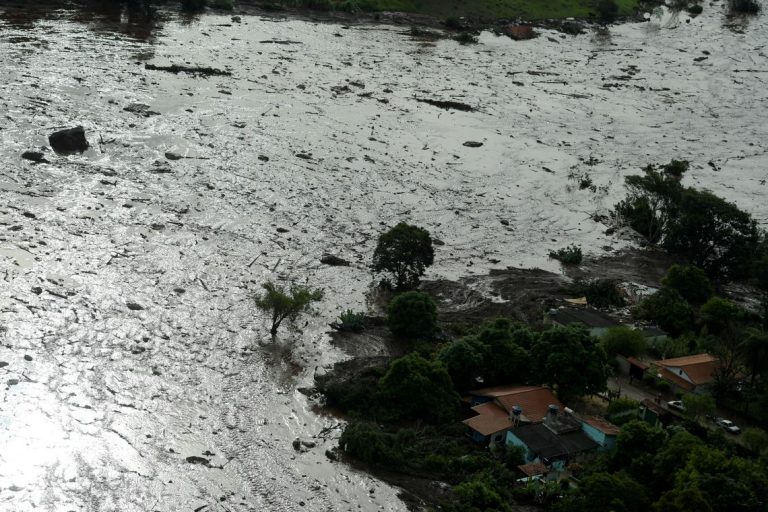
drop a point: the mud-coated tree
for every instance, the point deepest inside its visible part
(281, 303)
(403, 253)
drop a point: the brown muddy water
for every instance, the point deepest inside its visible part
(139, 375)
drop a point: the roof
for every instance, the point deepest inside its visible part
(545, 444)
(490, 419)
(604, 426)
(533, 400)
(700, 368)
(636, 362)
(587, 316)
(533, 469)
(654, 407)
(675, 379)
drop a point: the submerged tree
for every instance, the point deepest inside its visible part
(285, 303)
(405, 251)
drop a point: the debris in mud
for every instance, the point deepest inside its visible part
(280, 41)
(519, 32)
(134, 306)
(573, 28)
(35, 156)
(192, 70)
(473, 144)
(334, 261)
(304, 156)
(3, 364)
(69, 141)
(170, 155)
(194, 459)
(141, 109)
(447, 105)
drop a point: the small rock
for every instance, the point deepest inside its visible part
(37, 290)
(69, 141)
(334, 261)
(296, 444)
(304, 156)
(27, 357)
(473, 144)
(134, 307)
(504, 222)
(170, 155)
(309, 444)
(282, 230)
(236, 19)
(13, 382)
(194, 459)
(35, 156)
(3, 364)
(141, 109)
(29, 215)
(264, 158)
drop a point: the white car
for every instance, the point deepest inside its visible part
(676, 404)
(728, 426)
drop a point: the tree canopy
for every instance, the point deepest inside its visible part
(281, 303)
(413, 315)
(403, 253)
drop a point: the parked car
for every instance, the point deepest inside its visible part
(676, 404)
(728, 426)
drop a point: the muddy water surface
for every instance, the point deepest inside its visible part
(140, 377)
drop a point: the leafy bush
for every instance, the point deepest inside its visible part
(669, 310)
(466, 38)
(663, 386)
(690, 282)
(404, 252)
(650, 204)
(570, 255)
(477, 494)
(454, 23)
(369, 443)
(413, 315)
(350, 321)
(676, 168)
(600, 293)
(282, 303)
(719, 315)
(695, 10)
(625, 341)
(621, 405)
(607, 11)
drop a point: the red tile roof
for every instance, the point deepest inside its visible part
(490, 419)
(700, 368)
(532, 400)
(533, 469)
(604, 426)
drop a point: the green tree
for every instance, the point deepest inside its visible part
(404, 252)
(714, 235)
(415, 388)
(607, 11)
(413, 315)
(477, 495)
(636, 447)
(281, 303)
(193, 5)
(464, 360)
(571, 360)
(625, 341)
(755, 354)
(690, 282)
(672, 457)
(720, 315)
(755, 439)
(669, 310)
(650, 203)
(606, 492)
(682, 500)
(698, 407)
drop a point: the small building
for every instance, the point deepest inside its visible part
(689, 374)
(532, 471)
(553, 442)
(632, 366)
(601, 431)
(596, 321)
(654, 414)
(504, 407)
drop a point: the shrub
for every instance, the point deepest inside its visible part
(621, 405)
(625, 341)
(669, 310)
(281, 303)
(350, 321)
(676, 168)
(650, 204)
(690, 282)
(663, 386)
(226, 5)
(404, 252)
(570, 255)
(413, 315)
(370, 444)
(193, 5)
(649, 379)
(607, 11)
(454, 23)
(600, 293)
(695, 10)
(466, 38)
(744, 6)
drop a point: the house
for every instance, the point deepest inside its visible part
(689, 374)
(553, 442)
(532, 471)
(632, 366)
(601, 431)
(504, 407)
(597, 322)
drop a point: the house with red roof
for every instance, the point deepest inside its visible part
(688, 374)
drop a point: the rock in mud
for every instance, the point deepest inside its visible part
(69, 141)
(573, 28)
(473, 144)
(334, 261)
(296, 444)
(519, 32)
(141, 109)
(34, 156)
(134, 307)
(170, 155)
(3, 364)
(447, 105)
(194, 459)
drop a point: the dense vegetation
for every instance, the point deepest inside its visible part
(402, 254)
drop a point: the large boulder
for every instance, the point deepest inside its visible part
(69, 141)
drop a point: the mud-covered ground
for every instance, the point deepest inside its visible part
(139, 375)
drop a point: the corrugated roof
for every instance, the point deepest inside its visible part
(490, 419)
(545, 444)
(533, 400)
(604, 426)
